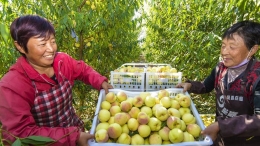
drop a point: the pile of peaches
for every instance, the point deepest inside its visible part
(146, 119)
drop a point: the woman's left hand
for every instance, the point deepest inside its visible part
(106, 86)
(83, 138)
(211, 131)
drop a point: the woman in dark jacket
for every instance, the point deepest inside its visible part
(236, 83)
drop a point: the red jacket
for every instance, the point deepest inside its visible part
(17, 96)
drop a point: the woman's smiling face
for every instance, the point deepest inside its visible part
(233, 51)
(41, 51)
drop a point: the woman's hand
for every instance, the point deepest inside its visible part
(83, 138)
(185, 86)
(106, 86)
(211, 131)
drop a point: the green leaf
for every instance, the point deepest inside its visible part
(4, 32)
(17, 143)
(41, 138)
(37, 140)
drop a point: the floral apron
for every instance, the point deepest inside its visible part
(53, 107)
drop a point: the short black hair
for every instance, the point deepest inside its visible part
(248, 30)
(27, 26)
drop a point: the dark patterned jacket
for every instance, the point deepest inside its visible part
(241, 129)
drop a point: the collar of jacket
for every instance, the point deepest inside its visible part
(23, 66)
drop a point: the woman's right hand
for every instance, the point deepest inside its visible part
(212, 131)
(83, 138)
(185, 86)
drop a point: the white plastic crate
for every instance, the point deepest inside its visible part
(129, 76)
(127, 81)
(142, 77)
(158, 81)
(173, 92)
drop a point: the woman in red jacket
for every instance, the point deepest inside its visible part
(36, 92)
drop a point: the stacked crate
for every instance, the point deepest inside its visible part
(145, 77)
(129, 76)
(161, 76)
